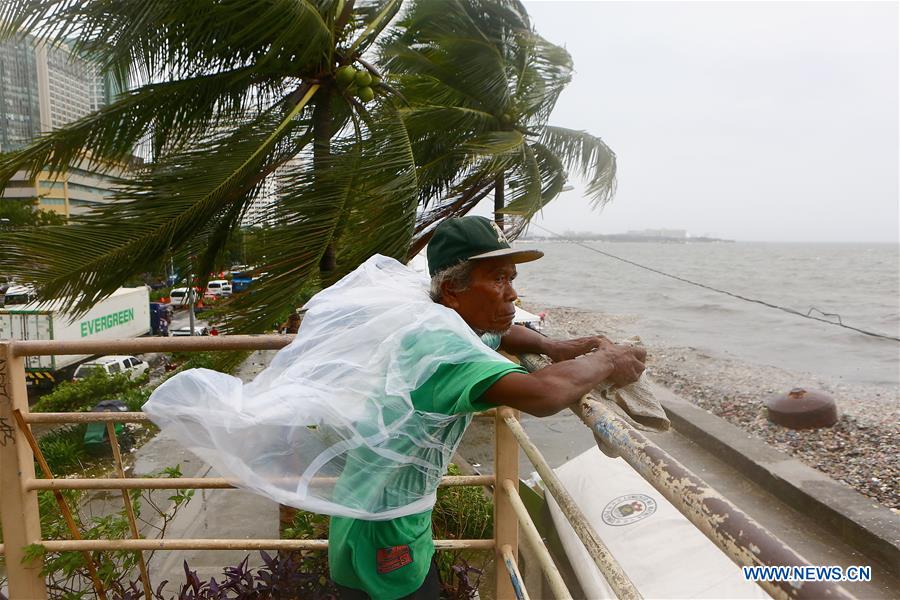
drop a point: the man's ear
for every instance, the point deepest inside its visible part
(449, 296)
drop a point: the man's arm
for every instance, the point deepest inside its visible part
(522, 340)
(551, 389)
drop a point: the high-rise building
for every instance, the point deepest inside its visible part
(20, 116)
(43, 88)
(261, 211)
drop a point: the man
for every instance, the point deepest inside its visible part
(472, 267)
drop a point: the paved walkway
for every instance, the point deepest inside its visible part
(211, 513)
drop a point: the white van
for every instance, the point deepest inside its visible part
(219, 287)
(180, 296)
(112, 365)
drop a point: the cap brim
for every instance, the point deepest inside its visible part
(517, 256)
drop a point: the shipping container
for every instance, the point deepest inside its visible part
(124, 314)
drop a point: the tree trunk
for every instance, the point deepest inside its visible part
(321, 153)
(499, 200)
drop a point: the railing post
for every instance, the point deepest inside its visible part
(19, 514)
(506, 525)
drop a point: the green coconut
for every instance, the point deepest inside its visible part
(366, 94)
(345, 75)
(363, 79)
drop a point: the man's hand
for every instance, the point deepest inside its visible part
(628, 362)
(547, 391)
(560, 350)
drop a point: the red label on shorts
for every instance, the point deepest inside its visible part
(391, 559)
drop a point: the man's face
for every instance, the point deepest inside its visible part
(487, 304)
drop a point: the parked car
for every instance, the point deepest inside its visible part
(186, 330)
(181, 297)
(219, 287)
(17, 295)
(112, 365)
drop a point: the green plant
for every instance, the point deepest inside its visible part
(221, 113)
(225, 362)
(84, 394)
(67, 573)
(63, 449)
(19, 213)
(160, 293)
(135, 398)
(306, 526)
(462, 512)
(481, 85)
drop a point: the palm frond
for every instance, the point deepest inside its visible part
(160, 211)
(485, 20)
(542, 178)
(525, 198)
(374, 18)
(448, 139)
(175, 112)
(469, 194)
(362, 197)
(586, 155)
(468, 187)
(543, 70)
(494, 143)
(383, 210)
(473, 90)
(458, 121)
(171, 37)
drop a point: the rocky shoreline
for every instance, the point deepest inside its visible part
(862, 449)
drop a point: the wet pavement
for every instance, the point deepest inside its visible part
(231, 514)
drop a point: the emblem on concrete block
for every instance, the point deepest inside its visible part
(628, 509)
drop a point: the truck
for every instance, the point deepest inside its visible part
(240, 281)
(125, 313)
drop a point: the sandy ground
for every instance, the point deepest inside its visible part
(861, 449)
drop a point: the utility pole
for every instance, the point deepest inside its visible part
(191, 297)
(499, 200)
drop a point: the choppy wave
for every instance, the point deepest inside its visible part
(859, 282)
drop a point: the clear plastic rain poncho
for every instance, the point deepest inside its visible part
(329, 426)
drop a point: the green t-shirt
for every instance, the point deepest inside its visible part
(390, 559)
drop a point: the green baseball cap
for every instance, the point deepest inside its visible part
(471, 238)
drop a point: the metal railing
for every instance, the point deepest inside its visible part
(741, 538)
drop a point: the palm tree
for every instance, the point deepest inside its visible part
(481, 85)
(231, 93)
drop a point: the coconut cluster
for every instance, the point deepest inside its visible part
(358, 83)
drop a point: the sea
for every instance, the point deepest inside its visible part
(858, 282)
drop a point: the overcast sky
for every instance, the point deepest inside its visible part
(767, 121)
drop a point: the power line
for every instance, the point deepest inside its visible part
(791, 311)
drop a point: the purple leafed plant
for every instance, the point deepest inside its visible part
(285, 576)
